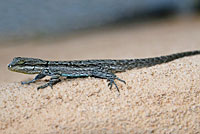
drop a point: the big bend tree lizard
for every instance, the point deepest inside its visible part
(104, 69)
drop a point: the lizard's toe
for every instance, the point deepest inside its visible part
(121, 80)
(110, 84)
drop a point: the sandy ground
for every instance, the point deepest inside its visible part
(159, 99)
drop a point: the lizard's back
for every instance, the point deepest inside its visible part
(121, 65)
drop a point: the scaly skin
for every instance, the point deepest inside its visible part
(104, 69)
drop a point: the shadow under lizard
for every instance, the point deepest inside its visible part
(104, 69)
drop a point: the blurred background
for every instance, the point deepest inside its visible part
(33, 19)
(96, 29)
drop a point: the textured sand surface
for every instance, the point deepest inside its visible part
(159, 99)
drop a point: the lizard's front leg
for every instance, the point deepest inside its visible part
(54, 80)
(37, 77)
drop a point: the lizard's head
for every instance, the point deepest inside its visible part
(27, 65)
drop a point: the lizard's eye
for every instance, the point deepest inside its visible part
(20, 62)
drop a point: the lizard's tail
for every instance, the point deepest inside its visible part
(148, 62)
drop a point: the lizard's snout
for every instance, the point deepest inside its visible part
(9, 66)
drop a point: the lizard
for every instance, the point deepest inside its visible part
(104, 69)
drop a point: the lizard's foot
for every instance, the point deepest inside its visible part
(109, 76)
(111, 82)
(54, 80)
(27, 82)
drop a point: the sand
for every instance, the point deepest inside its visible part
(160, 99)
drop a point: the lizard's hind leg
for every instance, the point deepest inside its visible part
(109, 76)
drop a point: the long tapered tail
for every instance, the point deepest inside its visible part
(148, 62)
